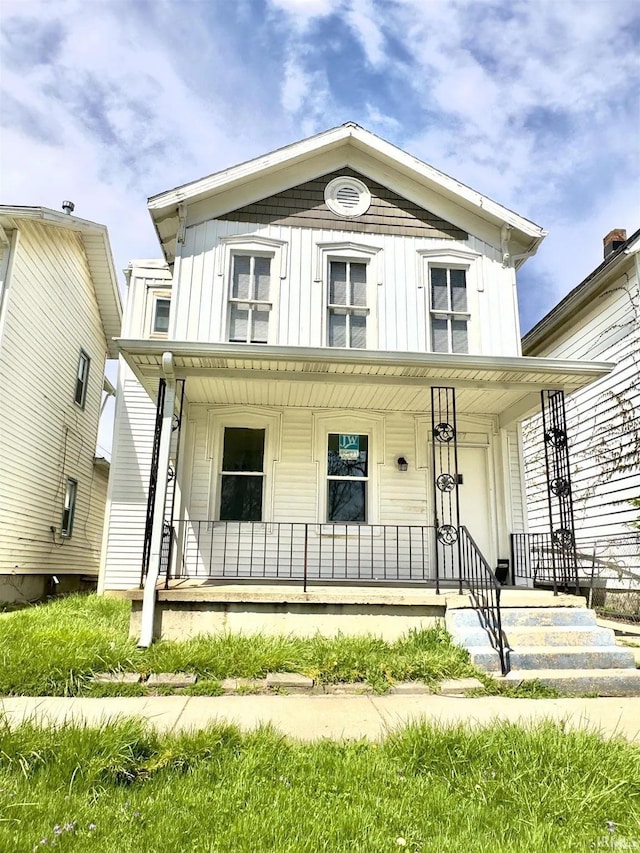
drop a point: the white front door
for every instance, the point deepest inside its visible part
(474, 495)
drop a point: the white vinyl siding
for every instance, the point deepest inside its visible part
(45, 437)
(602, 419)
(128, 484)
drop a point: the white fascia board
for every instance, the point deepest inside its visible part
(314, 355)
(363, 140)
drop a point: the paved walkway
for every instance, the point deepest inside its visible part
(327, 716)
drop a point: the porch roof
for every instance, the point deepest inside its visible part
(241, 374)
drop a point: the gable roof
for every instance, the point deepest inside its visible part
(95, 238)
(346, 145)
(568, 307)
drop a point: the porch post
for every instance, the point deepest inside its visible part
(153, 573)
(560, 500)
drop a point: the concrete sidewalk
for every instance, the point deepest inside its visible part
(329, 716)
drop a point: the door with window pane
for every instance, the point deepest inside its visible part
(347, 477)
(347, 320)
(242, 477)
(249, 302)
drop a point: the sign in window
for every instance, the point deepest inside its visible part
(347, 477)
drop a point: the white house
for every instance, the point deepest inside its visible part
(59, 312)
(327, 362)
(598, 319)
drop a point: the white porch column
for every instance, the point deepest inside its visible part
(149, 595)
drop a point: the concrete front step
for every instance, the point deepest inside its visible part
(519, 617)
(603, 682)
(567, 635)
(571, 657)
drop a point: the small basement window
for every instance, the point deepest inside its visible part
(69, 511)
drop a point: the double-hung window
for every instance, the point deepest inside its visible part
(249, 301)
(347, 477)
(69, 509)
(449, 309)
(82, 379)
(242, 486)
(347, 320)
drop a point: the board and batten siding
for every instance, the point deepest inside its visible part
(399, 295)
(50, 313)
(603, 425)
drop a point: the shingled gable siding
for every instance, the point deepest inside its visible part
(304, 206)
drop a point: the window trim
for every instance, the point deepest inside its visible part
(69, 506)
(83, 358)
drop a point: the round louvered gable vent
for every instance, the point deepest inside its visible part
(347, 196)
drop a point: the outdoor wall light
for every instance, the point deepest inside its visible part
(402, 464)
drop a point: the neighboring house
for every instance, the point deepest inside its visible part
(335, 326)
(59, 312)
(599, 319)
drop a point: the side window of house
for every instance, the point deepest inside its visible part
(347, 477)
(69, 510)
(160, 321)
(82, 379)
(449, 310)
(249, 301)
(347, 308)
(242, 477)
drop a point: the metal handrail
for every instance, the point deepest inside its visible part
(485, 590)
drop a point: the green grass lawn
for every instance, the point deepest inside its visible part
(54, 648)
(502, 789)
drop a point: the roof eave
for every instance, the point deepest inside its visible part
(579, 296)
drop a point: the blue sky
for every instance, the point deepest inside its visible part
(535, 104)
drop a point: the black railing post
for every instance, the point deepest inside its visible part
(306, 547)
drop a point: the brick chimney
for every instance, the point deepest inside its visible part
(614, 240)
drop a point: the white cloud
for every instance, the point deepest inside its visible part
(362, 20)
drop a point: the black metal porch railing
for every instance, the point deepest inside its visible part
(302, 552)
(533, 557)
(485, 590)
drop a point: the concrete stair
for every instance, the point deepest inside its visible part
(556, 641)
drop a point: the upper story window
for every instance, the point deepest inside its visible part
(161, 308)
(250, 299)
(82, 379)
(347, 308)
(449, 309)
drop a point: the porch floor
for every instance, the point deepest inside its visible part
(199, 590)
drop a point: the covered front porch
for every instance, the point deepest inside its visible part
(324, 466)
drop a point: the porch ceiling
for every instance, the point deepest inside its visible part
(238, 374)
